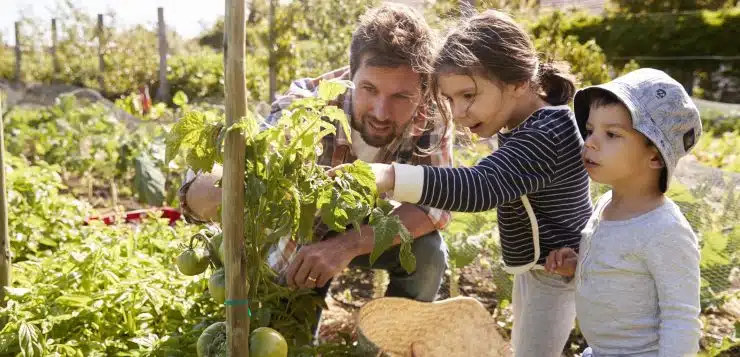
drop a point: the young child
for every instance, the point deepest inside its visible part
(637, 275)
(488, 77)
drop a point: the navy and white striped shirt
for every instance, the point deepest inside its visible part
(541, 158)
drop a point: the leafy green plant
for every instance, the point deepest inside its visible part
(84, 140)
(130, 55)
(39, 217)
(470, 234)
(672, 34)
(112, 291)
(92, 148)
(285, 190)
(720, 151)
(134, 105)
(719, 122)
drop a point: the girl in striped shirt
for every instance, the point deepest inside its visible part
(488, 79)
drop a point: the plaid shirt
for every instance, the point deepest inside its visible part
(337, 150)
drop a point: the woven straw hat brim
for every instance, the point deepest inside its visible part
(457, 327)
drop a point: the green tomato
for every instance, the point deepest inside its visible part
(216, 241)
(217, 286)
(192, 262)
(212, 342)
(266, 342)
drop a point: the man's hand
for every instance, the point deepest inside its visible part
(562, 261)
(385, 176)
(317, 263)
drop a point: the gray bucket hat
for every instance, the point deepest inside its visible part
(660, 107)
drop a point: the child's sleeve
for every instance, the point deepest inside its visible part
(525, 164)
(673, 260)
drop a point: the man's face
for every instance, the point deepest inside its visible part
(384, 101)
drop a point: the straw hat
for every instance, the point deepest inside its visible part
(457, 327)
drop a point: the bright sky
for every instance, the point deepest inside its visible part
(186, 16)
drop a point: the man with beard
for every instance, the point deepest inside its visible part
(389, 108)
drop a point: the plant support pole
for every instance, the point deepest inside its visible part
(54, 54)
(237, 308)
(18, 53)
(163, 93)
(5, 262)
(101, 62)
(272, 59)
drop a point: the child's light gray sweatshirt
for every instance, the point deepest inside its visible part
(638, 284)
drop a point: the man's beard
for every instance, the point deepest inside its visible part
(362, 126)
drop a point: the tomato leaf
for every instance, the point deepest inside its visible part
(331, 89)
(462, 251)
(408, 260)
(336, 114)
(180, 99)
(385, 229)
(149, 181)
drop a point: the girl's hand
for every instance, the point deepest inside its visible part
(562, 261)
(385, 176)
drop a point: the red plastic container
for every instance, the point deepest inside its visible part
(136, 216)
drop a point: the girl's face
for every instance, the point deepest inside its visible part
(477, 102)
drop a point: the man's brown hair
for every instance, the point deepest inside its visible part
(391, 35)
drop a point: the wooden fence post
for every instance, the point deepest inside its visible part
(271, 48)
(163, 92)
(101, 63)
(237, 315)
(18, 74)
(54, 42)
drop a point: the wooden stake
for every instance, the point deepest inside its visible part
(18, 75)
(54, 55)
(272, 59)
(237, 313)
(114, 194)
(163, 93)
(5, 261)
(101, 63)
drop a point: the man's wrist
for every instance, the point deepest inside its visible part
(356, 242)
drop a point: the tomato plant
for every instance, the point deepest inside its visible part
(285, 190)
(112, 291)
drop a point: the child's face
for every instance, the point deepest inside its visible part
(477, 102)
(614, 152)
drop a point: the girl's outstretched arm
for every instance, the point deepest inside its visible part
(525, 164)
